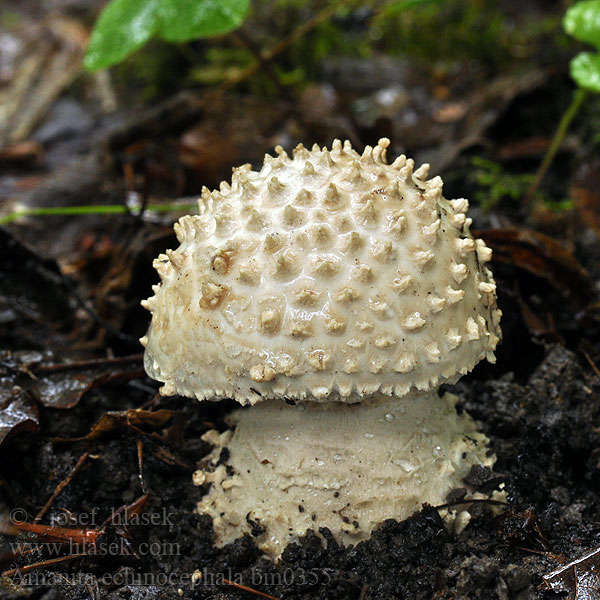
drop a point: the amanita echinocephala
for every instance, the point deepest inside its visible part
(333, 293)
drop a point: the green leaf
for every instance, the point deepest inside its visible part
(126, 25)
(123, 27)
(582, 21)
(585, 70)
(184, 20)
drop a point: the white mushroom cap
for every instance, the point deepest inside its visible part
(328, 276)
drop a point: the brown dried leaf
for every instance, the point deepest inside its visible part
(141, 421)
(21, 153)
(580, 578)
(51, 60)
(543, 257)
(65, 387)
(540, 325)
(18, 413)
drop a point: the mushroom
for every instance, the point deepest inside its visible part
(334, 293)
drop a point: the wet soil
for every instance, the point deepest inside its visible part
(544, 431)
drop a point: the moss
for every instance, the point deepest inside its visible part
(438, 33)
(495, 184)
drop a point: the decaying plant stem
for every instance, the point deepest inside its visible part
(578, 97)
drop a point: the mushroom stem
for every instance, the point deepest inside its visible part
(347, 467)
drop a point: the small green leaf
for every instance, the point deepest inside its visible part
(582, 21)
(123, 27)
(585, 70)
(126, 25)
(184, 20)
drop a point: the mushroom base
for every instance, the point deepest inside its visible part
(347, 467)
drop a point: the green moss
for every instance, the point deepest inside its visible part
(10, 20)
(437, 32)
(495, 185)
(459, 30)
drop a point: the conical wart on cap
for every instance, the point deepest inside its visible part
(327, 276)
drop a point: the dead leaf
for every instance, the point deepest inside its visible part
(21, 153)
(62, 385)
(580, 578)
(51, 60)
(137, 419)
(65, 387)
(539, 325)
(541, 256)
(18, 413)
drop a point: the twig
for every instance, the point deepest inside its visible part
(239, 586)
(86, 364)
(140, 455)
(563, 126)
(270, 54)
(250, 45)
(61, 486)
(592, 363)
(59, 72)
(471, 501)
(44, 563)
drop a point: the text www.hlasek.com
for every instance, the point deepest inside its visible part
(99, 548)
